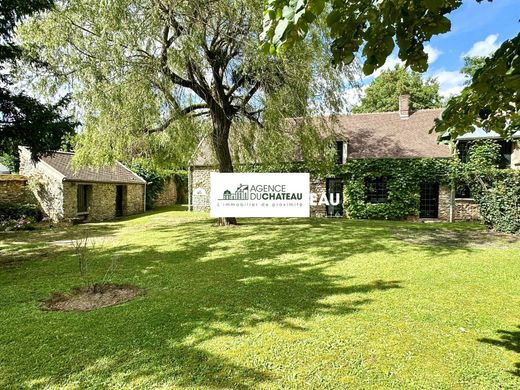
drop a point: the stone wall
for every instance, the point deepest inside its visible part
(466, 210)
(134, 199)
(102, 200)
(14, 189)
(318, 187)
(463, 209)
(168, 196)
(201, 188)
(45, 184)
(444, 202)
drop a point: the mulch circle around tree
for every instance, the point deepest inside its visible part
(92, 297)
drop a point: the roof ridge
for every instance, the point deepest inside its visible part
(62, 152)
(388, 112)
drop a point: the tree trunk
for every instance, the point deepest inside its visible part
(221, 126)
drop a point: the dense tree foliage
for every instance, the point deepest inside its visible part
(23, 119)
(491, 101)
(374, 27)
(383, 93)
(154, 77)
(471, 65)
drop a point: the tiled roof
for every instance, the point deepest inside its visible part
(61, 162)
(385, 135)
(376, 135)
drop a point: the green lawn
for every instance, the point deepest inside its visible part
(314, 303)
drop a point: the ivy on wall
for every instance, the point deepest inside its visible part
(404, 177)
(497, 191)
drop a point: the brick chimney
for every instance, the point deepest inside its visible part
(404, 107)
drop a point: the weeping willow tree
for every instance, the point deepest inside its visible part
(152, 77)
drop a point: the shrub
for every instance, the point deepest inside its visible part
(497, 193)
(18, 216)
(157, 179)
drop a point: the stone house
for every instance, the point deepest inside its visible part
(85, 194)
(390, 135)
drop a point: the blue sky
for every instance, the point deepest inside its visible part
(477, 29)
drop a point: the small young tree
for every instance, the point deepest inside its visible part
(146, 71)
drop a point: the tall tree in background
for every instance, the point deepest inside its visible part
(23, 119)
(383, 94)
(146, 73)
(373, 29)
(471, 65)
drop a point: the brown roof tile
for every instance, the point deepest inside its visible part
(375, 135)
(385, 135)
(61, 162)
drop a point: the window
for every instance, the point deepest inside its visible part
(339, 152)
(506, 151)
(376, 189)
(462, 191)
(504, 160)
(463, 151)
(83, 197)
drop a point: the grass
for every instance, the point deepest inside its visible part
(314, 303)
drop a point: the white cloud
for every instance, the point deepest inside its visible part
(483, 48)
(433, 53)
(450, 82)
(352, 97)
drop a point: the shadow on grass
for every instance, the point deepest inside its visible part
(205, 293)
(20, 247)
(509, 340)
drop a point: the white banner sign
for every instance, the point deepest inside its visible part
(260, 194)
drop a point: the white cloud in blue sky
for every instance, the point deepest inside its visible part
(450, 82)
(484, 48)
(433, 53)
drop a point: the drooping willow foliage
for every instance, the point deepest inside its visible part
(151, 78)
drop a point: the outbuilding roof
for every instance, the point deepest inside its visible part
(117, 174)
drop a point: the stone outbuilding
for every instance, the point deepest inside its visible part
(85, 194)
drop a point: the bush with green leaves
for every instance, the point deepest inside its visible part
(18, 216)
(496, 191)
(157, 178)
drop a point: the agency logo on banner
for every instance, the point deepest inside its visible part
(260, 195)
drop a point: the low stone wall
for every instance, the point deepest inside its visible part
(168, 196)
(14, 189)
(463, 209)
(466, 210)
